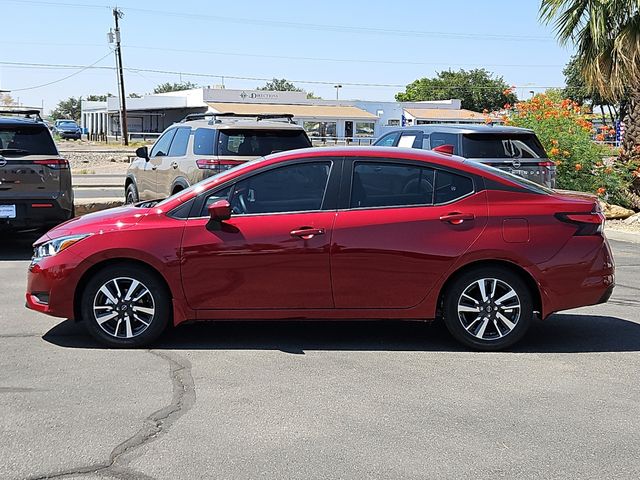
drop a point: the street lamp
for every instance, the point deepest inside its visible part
(337, 87)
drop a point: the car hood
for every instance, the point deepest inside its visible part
(105, 221)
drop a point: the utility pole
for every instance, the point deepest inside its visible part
(117, 15)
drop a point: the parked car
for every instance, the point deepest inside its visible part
(203, 145)
(515, 150)
(66, 129)
(331, 233)
(35, 181)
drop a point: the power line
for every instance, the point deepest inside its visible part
(82, 69)
(306, 26)
(289, 57)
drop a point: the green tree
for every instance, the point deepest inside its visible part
(69, 108)
(98, 98)
(280, 85)
(606, 34)
(478, 89)
(174, 87)
(134, 95)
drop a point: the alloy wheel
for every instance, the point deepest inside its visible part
(124, 307)
(489, 309)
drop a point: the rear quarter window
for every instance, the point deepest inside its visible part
(451, 186)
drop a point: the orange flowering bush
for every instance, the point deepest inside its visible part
(565, 132)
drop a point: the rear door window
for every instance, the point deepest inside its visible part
(21, 140)
(203, 140)
(451, 186)
(377, 184)
(489, 145)
(180, 141)
(259, 142)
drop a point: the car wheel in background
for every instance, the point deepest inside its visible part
(125, 306)
(131, 194)
(488, 308)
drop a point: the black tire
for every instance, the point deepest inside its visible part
(118, 331)
(131, 194)
(495, 325)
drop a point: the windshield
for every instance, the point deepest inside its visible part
(523, 182)
(68, 124)
(258, 143)
(26, 140)
(512, 145)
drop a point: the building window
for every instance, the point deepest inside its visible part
(365, 129)
(393, 122)
(321, 129)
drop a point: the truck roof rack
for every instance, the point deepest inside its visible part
(28, 113)
(258, 116)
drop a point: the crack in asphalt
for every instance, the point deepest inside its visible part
(157, 423)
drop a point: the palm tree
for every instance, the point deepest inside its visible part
(606, 34)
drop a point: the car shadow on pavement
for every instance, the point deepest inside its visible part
(561, 333)
(17, 246)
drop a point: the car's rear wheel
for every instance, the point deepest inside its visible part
(125, 306)
(131, 194)
(488, 308)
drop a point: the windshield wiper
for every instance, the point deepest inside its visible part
(14, 151)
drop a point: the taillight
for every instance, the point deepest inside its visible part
(591, 223)
(55, 163)
(546, 164)
(217, 165)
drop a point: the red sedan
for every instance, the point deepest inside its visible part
(345, 233)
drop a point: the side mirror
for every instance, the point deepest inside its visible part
(446, 149)
(142, 152)
(220, 211)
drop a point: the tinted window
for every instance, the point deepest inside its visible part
(161, 147)
(450, 186)
(491, 145)
(388, 140)
(294, 188)
(438, 139)
(388, 184)
(203, 139)
(180, 141)
(523, 182)
(258, 143)
(26, 140)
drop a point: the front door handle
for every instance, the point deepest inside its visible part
(307, 233)
(457, 218)
(174, 164)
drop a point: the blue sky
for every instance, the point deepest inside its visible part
(372, 42)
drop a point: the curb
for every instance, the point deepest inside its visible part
(90, 205)
(622, 235)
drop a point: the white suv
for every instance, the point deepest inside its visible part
(205, 144)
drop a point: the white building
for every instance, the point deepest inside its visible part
(341, 119)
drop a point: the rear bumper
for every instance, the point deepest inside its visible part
(584, 276)
(36, 213)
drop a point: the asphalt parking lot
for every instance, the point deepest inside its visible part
(321, 400)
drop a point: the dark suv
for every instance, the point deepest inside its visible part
(35, 181)
(516, 150)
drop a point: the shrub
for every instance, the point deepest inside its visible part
(565, 132)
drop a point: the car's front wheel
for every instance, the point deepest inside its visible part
(131, 194)
(488, 308)
(125, 306)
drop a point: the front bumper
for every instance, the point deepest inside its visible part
(51, 284)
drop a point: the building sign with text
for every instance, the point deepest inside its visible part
(252, 96)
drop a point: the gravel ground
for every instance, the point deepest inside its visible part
(622, 226)
(96, 158)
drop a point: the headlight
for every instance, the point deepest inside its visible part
(52, 247)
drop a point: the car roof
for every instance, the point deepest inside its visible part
(463, 128)
(241, 124)
(19, 121)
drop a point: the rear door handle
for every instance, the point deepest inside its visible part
(154, 167)
(457, 218)
(307, 233)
